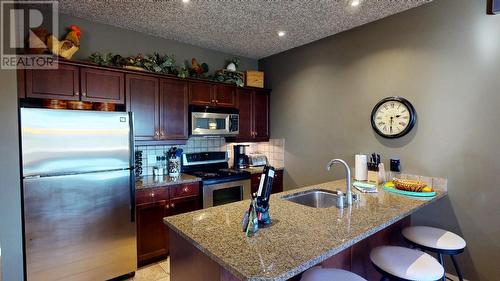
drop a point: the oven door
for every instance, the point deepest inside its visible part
(224, 193)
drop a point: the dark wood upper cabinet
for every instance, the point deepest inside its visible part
(261, 103)
(224, 96)
(174, 110)
(213, 95)
(201, 93)
(21, 83)
(254, 115)
(246, 114)
(143, 100)
(62, 83)
(102, 85)
(159, 102)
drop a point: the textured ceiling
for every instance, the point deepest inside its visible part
(246, 28)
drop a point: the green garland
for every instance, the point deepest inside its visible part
(166, 64)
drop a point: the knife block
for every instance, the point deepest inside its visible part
(373, 177)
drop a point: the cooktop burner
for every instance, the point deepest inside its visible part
(212, 168)
(220, 176)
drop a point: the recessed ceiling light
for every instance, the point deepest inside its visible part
(185, 1)
(355, 3)
(281, 33)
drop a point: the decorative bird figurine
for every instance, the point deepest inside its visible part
(67, 47)
(195, 67)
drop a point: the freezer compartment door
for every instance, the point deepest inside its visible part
(79, 227)
(56, 142)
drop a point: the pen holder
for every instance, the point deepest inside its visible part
(373, 177)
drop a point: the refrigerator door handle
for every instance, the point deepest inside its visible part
(132, 167)
(132, 196)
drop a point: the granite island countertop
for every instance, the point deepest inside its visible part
(158, 181)
(300, 236)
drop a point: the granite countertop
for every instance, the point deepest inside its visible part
(299, 237)
(157, 181)
(258, 170)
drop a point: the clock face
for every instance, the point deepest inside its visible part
(393, 117)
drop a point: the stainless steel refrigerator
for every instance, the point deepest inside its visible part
(78, 189)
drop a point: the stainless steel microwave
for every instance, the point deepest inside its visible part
(207, 121)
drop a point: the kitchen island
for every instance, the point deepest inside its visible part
(209, 244)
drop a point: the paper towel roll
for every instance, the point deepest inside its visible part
(361, 169)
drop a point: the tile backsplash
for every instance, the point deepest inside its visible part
(274, 150)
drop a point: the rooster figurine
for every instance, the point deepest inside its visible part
(196, 67)
(67, 47)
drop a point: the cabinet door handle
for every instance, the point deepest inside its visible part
(152, 194)
(157, 134)
(255, 133)
(84, 94)
(162, 133)
(216, 101)
(185, 189)
(172, 205)
(167, 206)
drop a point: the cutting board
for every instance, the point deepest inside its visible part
(409, 193)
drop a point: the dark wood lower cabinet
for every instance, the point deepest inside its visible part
(277, 182)
(152, 236)
(184, 205)
(152, 206)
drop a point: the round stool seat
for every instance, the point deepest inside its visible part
(329, 274)
(406, 263)
(434, 238)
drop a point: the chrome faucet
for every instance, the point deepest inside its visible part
(348, 178)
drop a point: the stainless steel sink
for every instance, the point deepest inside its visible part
(315, 198)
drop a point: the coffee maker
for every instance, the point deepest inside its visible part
(240, 158)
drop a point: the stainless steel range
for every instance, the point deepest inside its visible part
(221, 185)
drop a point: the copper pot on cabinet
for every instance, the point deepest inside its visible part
(104, 106)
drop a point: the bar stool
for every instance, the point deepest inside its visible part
(318, 273)
(436, 240)
(399, 263)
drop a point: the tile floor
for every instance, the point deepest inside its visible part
(159, 271)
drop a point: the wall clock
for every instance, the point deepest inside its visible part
(393, 117)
